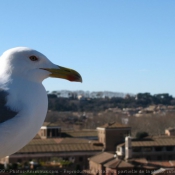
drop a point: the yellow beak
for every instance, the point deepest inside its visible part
(65, 73)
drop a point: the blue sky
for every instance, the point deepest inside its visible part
(122, 46)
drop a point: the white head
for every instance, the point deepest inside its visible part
(30, 64)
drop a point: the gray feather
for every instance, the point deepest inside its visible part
(5, 112)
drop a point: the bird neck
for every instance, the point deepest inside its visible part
(24, 94)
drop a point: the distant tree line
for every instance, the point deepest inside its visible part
(100, 104)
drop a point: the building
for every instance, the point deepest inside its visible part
(51, 145)
(115, 151)
(152, 148)
(49, 130)
(96, 163)
(170, 131)
(112, 134)
(142, 156)
(45, 150)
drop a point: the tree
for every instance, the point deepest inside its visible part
(140, 135)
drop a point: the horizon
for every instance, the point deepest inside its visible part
(125, 93)
(121, 46)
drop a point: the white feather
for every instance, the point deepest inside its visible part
(22, 79)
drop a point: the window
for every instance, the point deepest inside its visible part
(169, 148)
(65, 158)
(148, 158)
(137, 149)
(159, 157)
(147, 149)
(53, 132)
(170, 157)
(158, 148)
(80, 159)
(49, 131)
(19, 160)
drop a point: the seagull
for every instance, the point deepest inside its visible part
(23, 98)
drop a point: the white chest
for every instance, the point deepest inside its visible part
(30, 101)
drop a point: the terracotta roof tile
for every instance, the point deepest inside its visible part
(141, 162)
(63, 145)
(154, 141)
(102, 157)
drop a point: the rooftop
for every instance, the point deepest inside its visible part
(110, 161)
(170, 129)
(60, 145)
(82, 133)
(50, 124)
(153, 141)
(118, 163)
(114, 125)
(141, 162)
(102, 157)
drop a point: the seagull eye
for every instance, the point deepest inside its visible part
(33, 58)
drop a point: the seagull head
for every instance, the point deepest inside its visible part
(30, 64)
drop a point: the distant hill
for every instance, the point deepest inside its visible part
(88, 94)
(80, 101)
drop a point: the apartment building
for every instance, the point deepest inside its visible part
(142, 156)
(51, 144)
(112, 134)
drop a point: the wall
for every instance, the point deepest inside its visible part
(95, 168)
(114, 137)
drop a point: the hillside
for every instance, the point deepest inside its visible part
(143, 112)
(82, 104)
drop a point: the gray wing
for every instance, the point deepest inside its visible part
(5, 112)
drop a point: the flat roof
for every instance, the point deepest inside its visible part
(48, 124)
(81, 133)
(114, 125)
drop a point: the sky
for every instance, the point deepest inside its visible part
(116, 45)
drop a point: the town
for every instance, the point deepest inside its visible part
(138, 140)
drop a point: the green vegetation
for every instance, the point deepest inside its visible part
(141, 135)
(100, 104)
(65, 163)
(92, 113)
